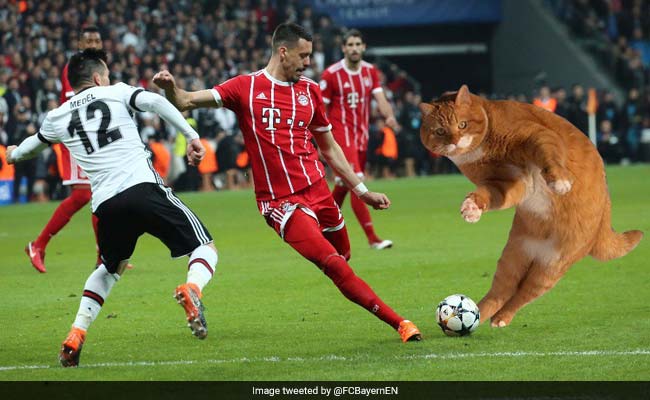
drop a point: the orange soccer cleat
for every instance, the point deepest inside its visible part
(36, 256)
(188, 295)
(408, 331)
(71, 348)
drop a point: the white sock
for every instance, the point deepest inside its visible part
(96, 290)
(201, 266)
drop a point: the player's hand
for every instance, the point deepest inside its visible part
(195, 152)
(164, 80)
(378, 201)
(392, 123)
(10, 150)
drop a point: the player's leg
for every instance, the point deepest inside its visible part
(118, 232)
(170, 220)
(362, 212)
(79, 197)
(303, 233)
(339, 191)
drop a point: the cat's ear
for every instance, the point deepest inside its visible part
(425, 108)
(463, 98)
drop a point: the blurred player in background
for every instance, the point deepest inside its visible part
(348, 88)
(279, 112)
(69, 171)
(128, 196)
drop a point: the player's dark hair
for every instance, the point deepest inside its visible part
(89, 29)
(288, 34)
(83, 64)
(352, 33)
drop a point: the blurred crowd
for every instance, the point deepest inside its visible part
(206, 42)
(617, 32)
(201, 43)
(622, 133)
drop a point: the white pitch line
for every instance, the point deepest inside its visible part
(334, 357)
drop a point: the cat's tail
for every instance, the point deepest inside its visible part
(610, 244)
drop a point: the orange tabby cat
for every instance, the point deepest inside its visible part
(521, 155)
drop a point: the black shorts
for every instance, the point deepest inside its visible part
(150, 208)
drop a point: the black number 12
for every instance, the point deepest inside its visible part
(104, 136)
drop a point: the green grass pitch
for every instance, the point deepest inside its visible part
(274, 316)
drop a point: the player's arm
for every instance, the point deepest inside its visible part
(333, 155)
(29, 148)
(146, 101)
(182, 99)
(385, 109)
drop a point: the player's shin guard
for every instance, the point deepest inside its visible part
(96, 290)
(358, 291)
(201, 266)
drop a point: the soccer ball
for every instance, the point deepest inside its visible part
(457, 315)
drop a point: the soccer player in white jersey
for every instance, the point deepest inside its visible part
(128, 196)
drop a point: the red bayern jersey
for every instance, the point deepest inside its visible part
(66, 89)
(69, 171)
(349, 95)
(277, 119)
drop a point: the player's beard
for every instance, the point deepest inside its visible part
(354, 59)
(296, 77)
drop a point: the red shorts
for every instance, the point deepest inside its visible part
(69, 171)
(315, 200)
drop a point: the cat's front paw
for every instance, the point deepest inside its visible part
(558, 180)
(470, 211)
(560, 186)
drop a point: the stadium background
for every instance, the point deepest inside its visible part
(500, 48)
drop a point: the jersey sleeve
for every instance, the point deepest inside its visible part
(326, 86)
(47, 134)
(229, 94)
(376, 83)
(319, 122)
(66, 89)
(128, 94)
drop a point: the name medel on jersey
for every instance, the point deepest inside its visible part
(97, 127)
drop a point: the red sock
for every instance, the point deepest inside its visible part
(68, 207)
(339, 193)
(303, 234)
(363, 216)
(358, 291)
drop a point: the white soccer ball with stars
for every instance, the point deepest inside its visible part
(457, 315)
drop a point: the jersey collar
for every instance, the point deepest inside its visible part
(274, 80)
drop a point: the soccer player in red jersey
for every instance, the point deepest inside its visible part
(71, 174)
(348, 88)
(279, 112)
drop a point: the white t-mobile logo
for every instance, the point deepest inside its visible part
(353, 99)
(270, 116)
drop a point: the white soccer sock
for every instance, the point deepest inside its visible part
(96, 290)
(201, 266)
